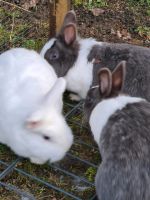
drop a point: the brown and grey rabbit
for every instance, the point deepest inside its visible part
(121, 127)
(72, 57)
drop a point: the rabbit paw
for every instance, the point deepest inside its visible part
(74, 97)
(37, 161)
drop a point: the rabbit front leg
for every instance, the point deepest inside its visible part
(74, 97)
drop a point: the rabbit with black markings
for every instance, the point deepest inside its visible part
(76, 58)
(121, 127)
(31, 120)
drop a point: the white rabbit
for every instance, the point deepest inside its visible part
(31, 120)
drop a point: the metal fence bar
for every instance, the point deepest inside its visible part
(88, 145)
(9, 169)
(73, 109)
(84, 161)
(18, 191)
(47, 184)
(41, 181)
(73, 175)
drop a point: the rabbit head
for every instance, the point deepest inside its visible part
(48, 136)
(62, 51)
(110, 84)
(68, 55)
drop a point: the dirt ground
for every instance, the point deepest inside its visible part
(118, 22)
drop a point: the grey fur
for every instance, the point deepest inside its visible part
(62, 56)
(138, 66)
(137, 81)
(124, 173)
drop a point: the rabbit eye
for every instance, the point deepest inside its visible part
(90, 100)
(46, 137)
(54, 55)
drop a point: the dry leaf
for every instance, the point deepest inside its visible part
(113, 31)
(124, 34)
(119, 34)
(97, 11)
(30, 4)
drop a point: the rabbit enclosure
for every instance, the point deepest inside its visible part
(27, 26)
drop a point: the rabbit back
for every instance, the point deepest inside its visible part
(25, 78)
(125, 149)
(138, 66)
(24, 81)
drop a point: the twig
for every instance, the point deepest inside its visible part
(11, 4)
(50, 196)
(12, 29)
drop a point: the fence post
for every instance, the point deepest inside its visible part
(58, 9)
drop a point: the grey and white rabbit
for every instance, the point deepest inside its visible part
(121, 128)
(72, 57)
(31, 120)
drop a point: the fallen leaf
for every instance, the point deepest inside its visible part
(113, 31)
(124, 34)
(97, 11)
(119, 34)
(30, 4)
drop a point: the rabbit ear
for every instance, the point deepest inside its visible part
(105, 82)
(54, 97)
(69, 34)
(70, 17)
(68, 30)
(57, 90)
(33, 123)
(118, 76)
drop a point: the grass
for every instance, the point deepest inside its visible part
(91, 3)
(91, 173)
(6, 154)
(140, 2)
(33, 44)
(104, 3)
(18, 28)
(144, 31)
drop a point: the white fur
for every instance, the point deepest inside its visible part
(74, 97)
(102, 112)
(48, 45)
(79, 77)
(30, 91)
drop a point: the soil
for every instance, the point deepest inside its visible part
(116, 22)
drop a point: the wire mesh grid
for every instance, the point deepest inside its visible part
(72, 177)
